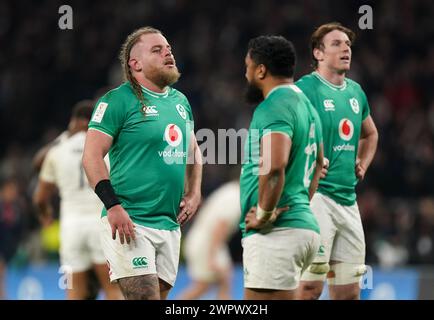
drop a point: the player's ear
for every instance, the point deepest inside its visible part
(318, 54)
(135, 65)
(261, 71)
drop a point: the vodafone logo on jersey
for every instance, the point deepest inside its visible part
(346, 129)
(173, 135)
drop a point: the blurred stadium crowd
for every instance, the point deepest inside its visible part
(44, 71)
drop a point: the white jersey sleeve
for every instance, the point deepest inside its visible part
(48, 170)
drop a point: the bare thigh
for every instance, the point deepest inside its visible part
(145, 287)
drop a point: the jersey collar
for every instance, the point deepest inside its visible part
(287, 85)
(156, 94)
(332, 86)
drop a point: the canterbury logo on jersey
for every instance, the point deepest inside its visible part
(150, 111)
(329, 105)
(140, 262)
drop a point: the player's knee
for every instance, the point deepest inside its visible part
(344, 273)
(319, 269)
(313, 281)
(310, 290)
(316, 272)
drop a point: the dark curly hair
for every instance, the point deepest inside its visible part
(276, 53)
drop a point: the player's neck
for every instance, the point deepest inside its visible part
(272, 83)
(332, 76)
(148, 84)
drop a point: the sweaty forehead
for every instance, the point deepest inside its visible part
(335, 35)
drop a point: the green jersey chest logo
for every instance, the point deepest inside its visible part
(329, 105)
(346, 129)
(150, 111)
(181, 110)
(354, 105)
(173, 135)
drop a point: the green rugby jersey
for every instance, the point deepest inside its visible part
(342, 110)
(287, 110)
(149, 152)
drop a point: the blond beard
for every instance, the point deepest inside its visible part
(163, 78)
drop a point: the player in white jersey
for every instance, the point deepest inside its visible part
(39, 157)
(207, 255)
(80, 209)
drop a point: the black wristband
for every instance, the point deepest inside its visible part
(105, 192)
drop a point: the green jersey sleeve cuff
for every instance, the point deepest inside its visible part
(103, 130)
(277, 128)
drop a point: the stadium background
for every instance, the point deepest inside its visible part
(45, 70)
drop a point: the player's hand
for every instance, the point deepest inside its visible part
(252, 222)
(360, 170)
(120, 220)
(188, 207)
(325, 168)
